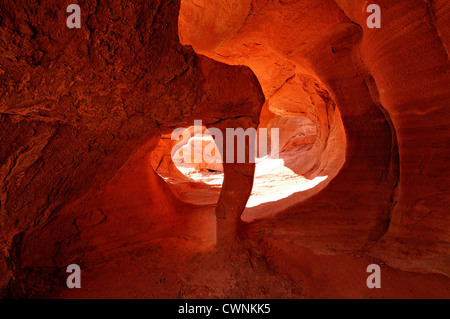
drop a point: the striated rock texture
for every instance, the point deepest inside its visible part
(85, 115)
(391, 86)
(410, 78)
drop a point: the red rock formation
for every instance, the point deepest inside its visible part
(384, 86)
(82, 114)
(77, 103)
(410, 79)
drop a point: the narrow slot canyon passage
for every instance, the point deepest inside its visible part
(113, 151)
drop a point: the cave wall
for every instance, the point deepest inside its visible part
(76, 103)
(412, 80)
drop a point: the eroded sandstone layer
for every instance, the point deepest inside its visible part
(85, 116)
(392, 93)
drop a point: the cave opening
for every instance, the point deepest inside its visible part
(192, 167)
(311, 141)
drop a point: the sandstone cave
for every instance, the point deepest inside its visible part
(90, 174)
